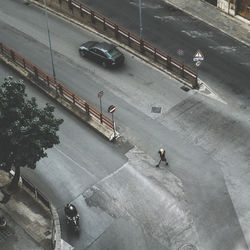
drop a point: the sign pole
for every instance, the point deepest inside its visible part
(100, 94)
(111, 109)
(100, 104)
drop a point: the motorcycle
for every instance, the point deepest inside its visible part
(3, 222)
(74, 222)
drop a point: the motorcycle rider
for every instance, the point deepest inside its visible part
(71, 212)
(3, 222)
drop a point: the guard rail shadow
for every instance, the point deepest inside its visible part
(102, 24)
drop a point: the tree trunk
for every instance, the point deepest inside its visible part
(15, 180)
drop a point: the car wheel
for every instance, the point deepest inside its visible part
(104, 64)
(83, 53)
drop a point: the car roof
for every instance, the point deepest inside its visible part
(104, 46)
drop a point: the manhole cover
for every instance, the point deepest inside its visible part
(188, 247)
(185, 88)
(156, 110)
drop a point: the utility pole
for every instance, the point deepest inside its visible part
(140, 19)
(50, 47)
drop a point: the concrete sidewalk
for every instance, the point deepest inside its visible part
(236, 27)
(29, 222)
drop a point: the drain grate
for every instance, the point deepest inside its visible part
(47, 233)
(156, 110)
(4, 234)
(188, 247)
(185, 88)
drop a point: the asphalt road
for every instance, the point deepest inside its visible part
(203, 137)
(226, 67)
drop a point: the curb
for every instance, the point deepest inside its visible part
(56, 234)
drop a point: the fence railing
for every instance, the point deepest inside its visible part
(59, 88)
(104, 25)
(55, 229)
(55, 235)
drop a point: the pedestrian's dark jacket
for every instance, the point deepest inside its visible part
(162, 155)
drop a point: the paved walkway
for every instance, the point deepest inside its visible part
(29, 224)
(236, 27)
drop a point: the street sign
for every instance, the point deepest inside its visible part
(198, 63)
(198, 56)
(100, 94)
(111, 109)
(180, 52)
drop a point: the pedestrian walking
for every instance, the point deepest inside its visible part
(162, 157)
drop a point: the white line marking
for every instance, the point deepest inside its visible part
(89, 173)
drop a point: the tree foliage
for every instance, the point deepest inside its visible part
(26, 130)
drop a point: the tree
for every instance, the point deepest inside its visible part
(26, 130)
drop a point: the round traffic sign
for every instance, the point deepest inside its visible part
(111, 109)
(100, 93)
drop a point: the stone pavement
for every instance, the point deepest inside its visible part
(236, 27)
(29, 222)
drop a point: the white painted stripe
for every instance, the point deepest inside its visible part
(66, 246)
(68, 157)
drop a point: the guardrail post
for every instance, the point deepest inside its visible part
(24, 63)
(1, 46)
(36, 72)
(129, 41)
(142, 46)
(81, 12)
(92, 16)
(195, 85)
(73, 99)
(70, 4)
(168, 62)
(101, 117)
(47, 78)
(116, 31)
(12, 53)
(155, 58)
(182, 70)
(60, 89)
(87, 108)
(104, 23)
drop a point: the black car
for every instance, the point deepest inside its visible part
(102, 52)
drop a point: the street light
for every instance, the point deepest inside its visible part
(50, 47)
(140, 20)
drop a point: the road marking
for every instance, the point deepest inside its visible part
(207, 91)
(77, 164)
(66, 246)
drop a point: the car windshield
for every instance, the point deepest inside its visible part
(113, 52)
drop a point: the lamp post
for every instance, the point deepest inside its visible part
(50, 47)
(140, 19)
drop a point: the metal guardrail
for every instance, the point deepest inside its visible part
(56, 230)
(59, 88)
(39, 196)
(104, 25)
